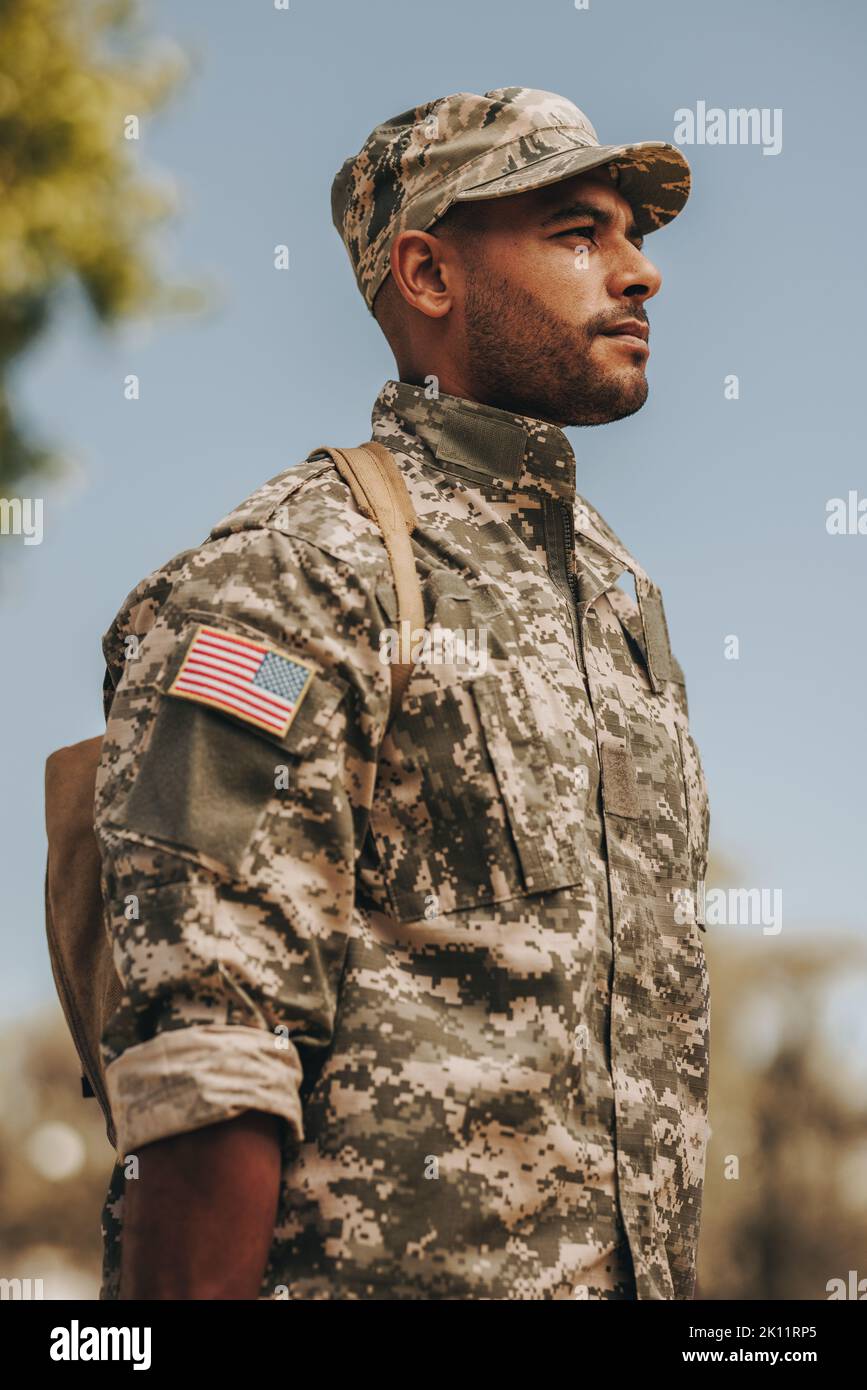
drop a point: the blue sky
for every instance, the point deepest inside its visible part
(722, 501)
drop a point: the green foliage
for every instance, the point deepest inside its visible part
(72, 204)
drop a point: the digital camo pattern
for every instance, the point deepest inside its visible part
(412, 167)
(450, 955)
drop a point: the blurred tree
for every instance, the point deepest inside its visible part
(55, 1161)
(785, 1206)
(71, 204)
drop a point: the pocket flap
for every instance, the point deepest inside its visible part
(525, 780)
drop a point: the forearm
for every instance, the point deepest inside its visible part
(199, 1219)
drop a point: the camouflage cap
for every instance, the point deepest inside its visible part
(466, 147)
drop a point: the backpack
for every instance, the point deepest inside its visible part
(79, 945)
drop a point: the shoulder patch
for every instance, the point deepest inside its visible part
(254, 681)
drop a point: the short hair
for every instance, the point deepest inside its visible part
(458, 221)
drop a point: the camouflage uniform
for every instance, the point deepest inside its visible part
(453, 956)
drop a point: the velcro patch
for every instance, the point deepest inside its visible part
(619, 783)
(251, 680)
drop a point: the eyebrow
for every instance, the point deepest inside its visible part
(589, 210)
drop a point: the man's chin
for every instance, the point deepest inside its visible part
(614, 401)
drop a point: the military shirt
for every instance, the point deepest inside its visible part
(458, 954)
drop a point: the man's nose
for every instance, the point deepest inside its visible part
(637, 278)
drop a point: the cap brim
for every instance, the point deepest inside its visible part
(653, 177)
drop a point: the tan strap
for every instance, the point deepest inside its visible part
(84, 974)
(380, 491)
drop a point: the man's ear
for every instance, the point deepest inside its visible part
(423, 268)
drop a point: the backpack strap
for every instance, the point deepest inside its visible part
(380, 491)
(81, 960)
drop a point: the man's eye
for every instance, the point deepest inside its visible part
(580, 231)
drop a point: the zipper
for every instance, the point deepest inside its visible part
(571, 576)
(569, 534)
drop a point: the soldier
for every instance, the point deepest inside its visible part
(420, 1010)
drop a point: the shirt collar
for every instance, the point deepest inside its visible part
(515, 462)
(495, 448)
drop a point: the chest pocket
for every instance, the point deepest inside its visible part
(653, 781)
(466, 808)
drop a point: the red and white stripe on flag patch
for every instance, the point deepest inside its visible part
(251, 680)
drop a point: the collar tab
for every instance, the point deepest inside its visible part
(494, 448)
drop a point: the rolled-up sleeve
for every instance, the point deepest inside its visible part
(228, 848)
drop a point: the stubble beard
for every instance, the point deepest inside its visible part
(525, 358)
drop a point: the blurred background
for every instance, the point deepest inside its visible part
(156, 365)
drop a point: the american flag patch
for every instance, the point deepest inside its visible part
(249, 679)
